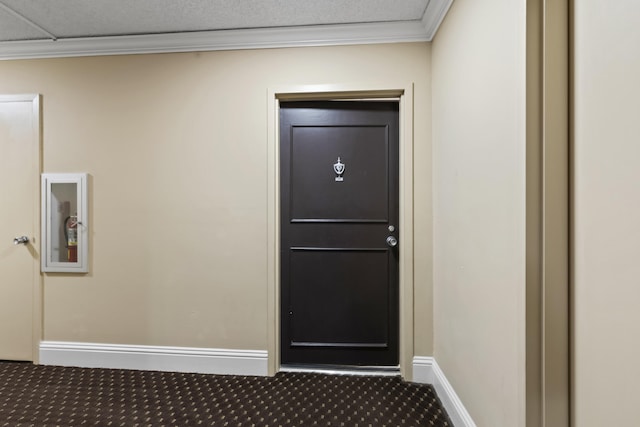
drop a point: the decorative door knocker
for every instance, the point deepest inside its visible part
(338, 168)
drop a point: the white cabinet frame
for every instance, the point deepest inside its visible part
(53, 247)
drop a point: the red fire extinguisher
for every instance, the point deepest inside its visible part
(71, 236)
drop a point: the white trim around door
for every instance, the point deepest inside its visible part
(384, 90)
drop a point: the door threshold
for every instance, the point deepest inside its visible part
(380, 371)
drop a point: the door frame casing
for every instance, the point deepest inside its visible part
(36, 166)
(403, 93)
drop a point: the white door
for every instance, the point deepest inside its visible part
(19, 178)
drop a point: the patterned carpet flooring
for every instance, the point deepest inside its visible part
(56, 396)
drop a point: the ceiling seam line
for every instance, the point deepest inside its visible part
(27, 21)
(424, 12)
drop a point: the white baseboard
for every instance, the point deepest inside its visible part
(427, 371)
(154, 358)
(423, 369)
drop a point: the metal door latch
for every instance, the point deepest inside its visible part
(22, 240)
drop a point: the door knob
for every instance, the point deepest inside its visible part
(21, 240)
(392, 242)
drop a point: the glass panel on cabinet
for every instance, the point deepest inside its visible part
(64, 223)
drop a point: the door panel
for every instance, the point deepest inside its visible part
(19, 178)
(332, 308)
(362, 196)
(339, 195)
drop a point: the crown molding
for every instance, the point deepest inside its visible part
(254, 38)
(319, 35)
(434, 15)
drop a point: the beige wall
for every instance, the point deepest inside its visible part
(479, 141)
(606, 241)
(176, 147)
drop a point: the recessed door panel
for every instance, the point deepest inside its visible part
(359, 193)
(340, 297)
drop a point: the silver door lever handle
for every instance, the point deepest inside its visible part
(21, 240)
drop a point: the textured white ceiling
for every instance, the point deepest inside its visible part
(93, 18)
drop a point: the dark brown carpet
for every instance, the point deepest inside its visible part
(56, 396)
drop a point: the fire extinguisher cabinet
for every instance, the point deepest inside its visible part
(65, 223)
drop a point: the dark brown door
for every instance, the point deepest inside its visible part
(339, 206)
